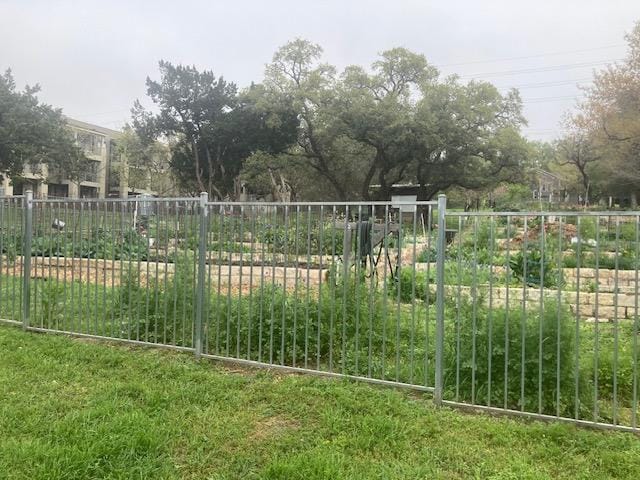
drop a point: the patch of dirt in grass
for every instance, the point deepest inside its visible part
(272, 427)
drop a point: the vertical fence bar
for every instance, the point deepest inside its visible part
(490, 314)
(202, 252)
(634, 402)
(616, 344)
(523, 339)
(285, 261)
(332, 278)
(251, 263)
(458, 304)
(474, 310)
(506, 313)
(219, 262)
(596, 313)
(320, 268)
(373, 283)
(385, 292)
(232, 247)
(442, 206)
(559, 318)
(26, 256)
(296, 268)
(413, 298)
(541, 312)
(427, 297)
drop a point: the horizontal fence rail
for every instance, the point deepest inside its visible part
(526, 313)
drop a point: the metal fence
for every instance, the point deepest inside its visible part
(533, 314)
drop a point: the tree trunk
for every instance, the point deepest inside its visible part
(196, 157)
(366, 184)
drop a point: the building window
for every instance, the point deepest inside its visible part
(88, 192)
(91, 144)
(91, 173)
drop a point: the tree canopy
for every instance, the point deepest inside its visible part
(211, 126)
(34, 134)
(362, 131)
(604, 139)
(308, 131)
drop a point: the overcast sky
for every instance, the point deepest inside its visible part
(92, 58)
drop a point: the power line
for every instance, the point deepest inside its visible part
(554, 83)
(549, 99)
(551, 68)
(540, 55)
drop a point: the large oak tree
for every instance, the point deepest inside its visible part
(396, 122)
(211, 126)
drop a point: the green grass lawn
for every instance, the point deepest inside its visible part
(72, 409)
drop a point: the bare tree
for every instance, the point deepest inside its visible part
(577, 150)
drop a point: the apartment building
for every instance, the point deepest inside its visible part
(107, 175)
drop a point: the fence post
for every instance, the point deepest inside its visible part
(26, 258)
(440, 258)
(202, 254)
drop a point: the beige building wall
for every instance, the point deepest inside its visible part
(96, 143)
(99, 145)
(6, 189)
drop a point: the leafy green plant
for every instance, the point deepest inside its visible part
(8, 247)
(498, 356)
(320, 238)
(626, 260)
(99, 243)
(427, 254)
(533, 268)
(229, 247)
(50, 297)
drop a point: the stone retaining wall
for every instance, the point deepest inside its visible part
(110, 272)
(606, 304)
(589, 306)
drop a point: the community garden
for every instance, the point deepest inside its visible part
(540, 311)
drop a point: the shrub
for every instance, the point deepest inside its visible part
(414, 285)
(269, 326)
(477, 234)
(273, 320)
(428, 254)
(466, 272)
(628, 348)
(626, 260)
(163, 314)
(553, 332)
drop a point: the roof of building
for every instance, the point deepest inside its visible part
(93, 128)
(540, 171)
